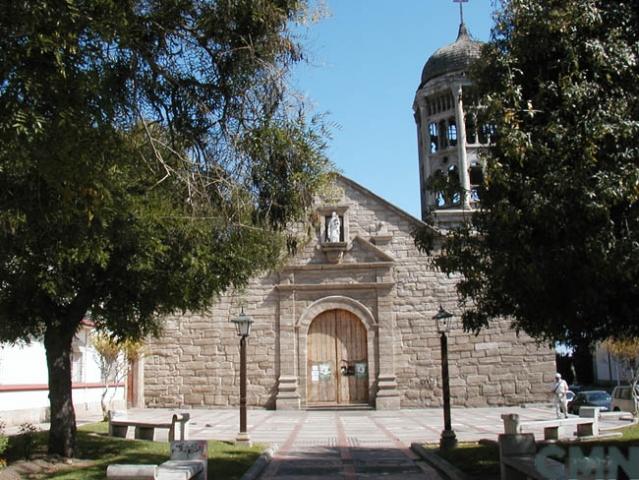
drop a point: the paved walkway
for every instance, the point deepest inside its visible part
(348, 445)
(351, 445)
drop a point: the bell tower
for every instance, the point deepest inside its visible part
(448, 135)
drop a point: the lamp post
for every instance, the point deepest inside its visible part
(243, 325)
(448, 438)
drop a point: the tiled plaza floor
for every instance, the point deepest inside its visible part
(352, 445)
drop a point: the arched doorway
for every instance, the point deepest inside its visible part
(337, 360)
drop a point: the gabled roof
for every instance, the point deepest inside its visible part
(386, 203)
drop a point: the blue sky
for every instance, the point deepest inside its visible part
(365, 62)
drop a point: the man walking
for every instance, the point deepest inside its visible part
(560, 389)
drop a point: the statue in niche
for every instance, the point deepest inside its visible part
(333, 231)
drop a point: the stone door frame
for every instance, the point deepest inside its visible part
(362, 313)
(293, 332)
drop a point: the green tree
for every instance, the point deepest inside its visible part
(113, 360)
(555, 246)
(626, 352)
(150, 157)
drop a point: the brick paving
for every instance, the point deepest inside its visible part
(352, 445)
(333, 445)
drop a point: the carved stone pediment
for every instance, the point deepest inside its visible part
(369, 252)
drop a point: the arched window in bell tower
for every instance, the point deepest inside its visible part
(434, 139)
(471, 128)
(476, 174)
(482, 135)
(452, 132)
(439, 179)
(487, 134)
(453, 183)
(443, 137)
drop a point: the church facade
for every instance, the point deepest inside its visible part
(349, 320)
(345, 323)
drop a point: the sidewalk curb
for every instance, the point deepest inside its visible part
(260, 464)
(442, 466)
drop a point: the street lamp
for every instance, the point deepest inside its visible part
(243, 325)
(443, 319)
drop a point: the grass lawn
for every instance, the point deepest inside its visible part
(630, 434)
(474, 459)
(96, 450)
(482, 461)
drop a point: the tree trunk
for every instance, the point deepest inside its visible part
(57, 342)
(635, 394)
(582, 360)
(103, 402)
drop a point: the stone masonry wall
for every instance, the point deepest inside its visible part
(195, 362)
(495, 367)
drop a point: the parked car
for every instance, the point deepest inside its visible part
(622, 399)
(590, 398)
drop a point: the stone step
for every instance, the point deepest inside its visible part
(341, 408)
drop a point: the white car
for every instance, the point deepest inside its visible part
(622, 399)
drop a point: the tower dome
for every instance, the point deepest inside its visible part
(458, 56)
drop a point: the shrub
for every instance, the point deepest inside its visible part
(27, 438)
(4, 441)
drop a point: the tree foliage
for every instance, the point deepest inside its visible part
(113, 360)
(150, 157)
(555, 246)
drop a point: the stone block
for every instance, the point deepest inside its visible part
(469, 369)
(491, 389)
(477, 379)
(589, 412)
(387, 402)
(494, 360)
(190, 349)
(507, 388)
(193, 398)
(475, 401)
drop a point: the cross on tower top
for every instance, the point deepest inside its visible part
(461, 9)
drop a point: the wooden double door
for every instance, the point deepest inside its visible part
(337, 360)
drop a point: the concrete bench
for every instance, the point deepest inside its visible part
(119, 423)
(617, 415)
(189, 461)
(586, 427)
(590, 412)
(169, 470)
(132, 472)
(517, 459)
(181, 470)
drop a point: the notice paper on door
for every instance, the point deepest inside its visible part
(315, 373)
(325, 371)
